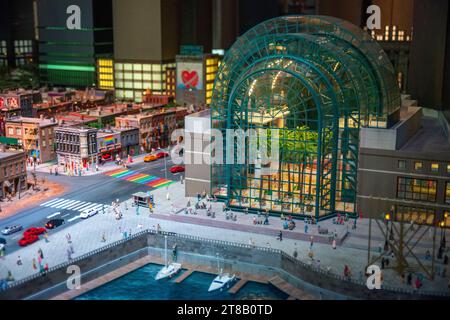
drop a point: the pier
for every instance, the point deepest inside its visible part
(293, 292)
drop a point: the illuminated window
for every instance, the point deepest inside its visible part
(435, 167)
(447, 219)
(418, 165)
(401, 164)
(416, 189)
(417, 215)
(448, 168)
(447, 192)
(127, 66)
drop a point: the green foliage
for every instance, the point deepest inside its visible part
(24, 77)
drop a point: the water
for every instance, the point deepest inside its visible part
(141, 285)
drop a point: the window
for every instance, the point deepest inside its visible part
(401, 164)
(447, 219)
(448, 168)
(43, 143)
(447, 192)
(416, 189)
(418, 165)
(435, 167)
(43, 132)
(418, 215)
(18, 131)
(11, 131)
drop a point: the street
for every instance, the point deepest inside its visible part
(84, 193)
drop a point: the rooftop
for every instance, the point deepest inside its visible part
(9, 153)
(41, 122)
(430, 139)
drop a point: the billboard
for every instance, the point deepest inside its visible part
(190, 75)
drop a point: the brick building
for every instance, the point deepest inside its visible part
(13, 172)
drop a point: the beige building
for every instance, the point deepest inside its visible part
(36, 135)
(13, 172)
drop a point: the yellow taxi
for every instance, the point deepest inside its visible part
(150, 157)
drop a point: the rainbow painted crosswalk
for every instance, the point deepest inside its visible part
(137, 177)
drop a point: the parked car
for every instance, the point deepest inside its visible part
(162, 155)
(2, 240)
(89, 213)
(150, 157)
(106, 156)
(54, 223)
(176, 169)
(28, 239)
(11, 229)
(33, 231)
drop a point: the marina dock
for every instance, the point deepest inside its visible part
(293, 292)
(237, 286)
(183, 276)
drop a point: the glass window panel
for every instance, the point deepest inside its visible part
(147, 67)
(128, 66)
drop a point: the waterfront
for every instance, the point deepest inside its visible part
(141, 285)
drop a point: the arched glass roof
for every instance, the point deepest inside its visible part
(342, 55)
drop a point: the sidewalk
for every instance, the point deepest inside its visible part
(87, 236)
(108, 166)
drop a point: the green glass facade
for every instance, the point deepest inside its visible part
(312, 82)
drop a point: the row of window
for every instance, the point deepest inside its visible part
(420, 189)
(419, 166)
(13, 169)
(64, 147)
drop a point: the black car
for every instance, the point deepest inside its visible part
(54, 223)
(2, 241)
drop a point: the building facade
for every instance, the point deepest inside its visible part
(13, 172)
(76, 147)
(145, 44)
(36, 135)
(72, 36)
(195, 78)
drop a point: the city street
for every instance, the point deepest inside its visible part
(95, 189)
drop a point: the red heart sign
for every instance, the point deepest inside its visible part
(190, 79)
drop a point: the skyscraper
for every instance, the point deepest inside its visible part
(146, 40)
(72, 35)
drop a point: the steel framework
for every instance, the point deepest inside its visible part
(311, 81)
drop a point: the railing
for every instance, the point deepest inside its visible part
(229, 244)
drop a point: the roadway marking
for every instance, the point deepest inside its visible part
(60, 205)
(53, 215)
(90, 207)
(83, 206)
(57, 201)
(67, 214)
(48, 202)
(76, 204)
(68, 204)
(74, 218)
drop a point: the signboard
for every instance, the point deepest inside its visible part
(190, 75)
(9, 102)
(189, 50)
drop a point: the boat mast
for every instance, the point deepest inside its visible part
(165, 250)
(218, 266)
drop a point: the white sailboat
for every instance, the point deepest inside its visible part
(222, 280)
(169, 269)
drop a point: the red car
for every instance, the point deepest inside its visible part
(162, 155)
(28, 239)
(176, 169)
(33, 231)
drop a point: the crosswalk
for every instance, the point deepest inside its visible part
(75, 205)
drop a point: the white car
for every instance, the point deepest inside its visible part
(11, 229)
(2, 246)
(89, 213)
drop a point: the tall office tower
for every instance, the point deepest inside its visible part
(350, 10)
(73, 35)
(145, 44)
(429, 69)
(252, 12)
(225, 23)
(195, 26)
(17, 33)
